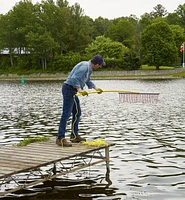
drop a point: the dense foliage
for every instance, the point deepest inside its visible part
(52, 36)
(162, 50)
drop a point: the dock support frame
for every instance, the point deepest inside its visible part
(59, 168)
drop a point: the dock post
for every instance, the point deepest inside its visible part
(107, 157)
(107, 165)
(54, 170)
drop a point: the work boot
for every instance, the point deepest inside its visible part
(77, 139)
(63, 142)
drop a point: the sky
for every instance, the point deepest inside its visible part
(109, 8)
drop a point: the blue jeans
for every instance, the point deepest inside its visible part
(71, 104)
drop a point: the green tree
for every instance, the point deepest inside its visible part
(42, 44)
(7, 33)
(145, 21)
(156, 15)
(80, 29)
(158, 45)
(62, 3)
(19, 19)
(179, 38)
(53, 19)
(136, 38)
(181, 13)
(22, 16)
(159, 11)
(173, 18)
(106, 47)
(178, 35)
(101, 26)
(123, 31)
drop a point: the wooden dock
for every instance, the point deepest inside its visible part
(23, 167)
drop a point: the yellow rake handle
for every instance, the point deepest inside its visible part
(96, 92)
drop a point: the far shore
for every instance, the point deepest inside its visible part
(127, 75)
(62, 78)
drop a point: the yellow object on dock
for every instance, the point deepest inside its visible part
(96, 143)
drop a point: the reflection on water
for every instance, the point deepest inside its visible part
(57, 189)
(147, 161)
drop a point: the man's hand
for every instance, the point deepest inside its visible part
(99, 91)
(84, 93)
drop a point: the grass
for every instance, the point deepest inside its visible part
(27, 141)
(146, 67)
(179, 75)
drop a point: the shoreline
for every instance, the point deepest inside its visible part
(102, 75)
(19, 78)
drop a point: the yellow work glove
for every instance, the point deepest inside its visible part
(99, 91)
(84, 93)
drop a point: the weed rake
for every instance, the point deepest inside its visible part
(132, 96)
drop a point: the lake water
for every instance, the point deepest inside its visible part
(148, 158)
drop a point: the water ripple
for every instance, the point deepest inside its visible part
(147, 161)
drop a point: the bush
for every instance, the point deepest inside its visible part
(64, 63)
(113, 63)
(131, 61)
(4, 63)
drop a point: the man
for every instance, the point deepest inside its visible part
(77, 79)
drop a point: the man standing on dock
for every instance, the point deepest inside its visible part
(77, 79)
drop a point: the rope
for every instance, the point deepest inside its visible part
(96, 143)
(75, 118)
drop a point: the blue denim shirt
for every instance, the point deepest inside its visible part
(80, 75)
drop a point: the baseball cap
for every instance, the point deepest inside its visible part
(99, 60)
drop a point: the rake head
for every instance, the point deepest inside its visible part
(138, 97)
